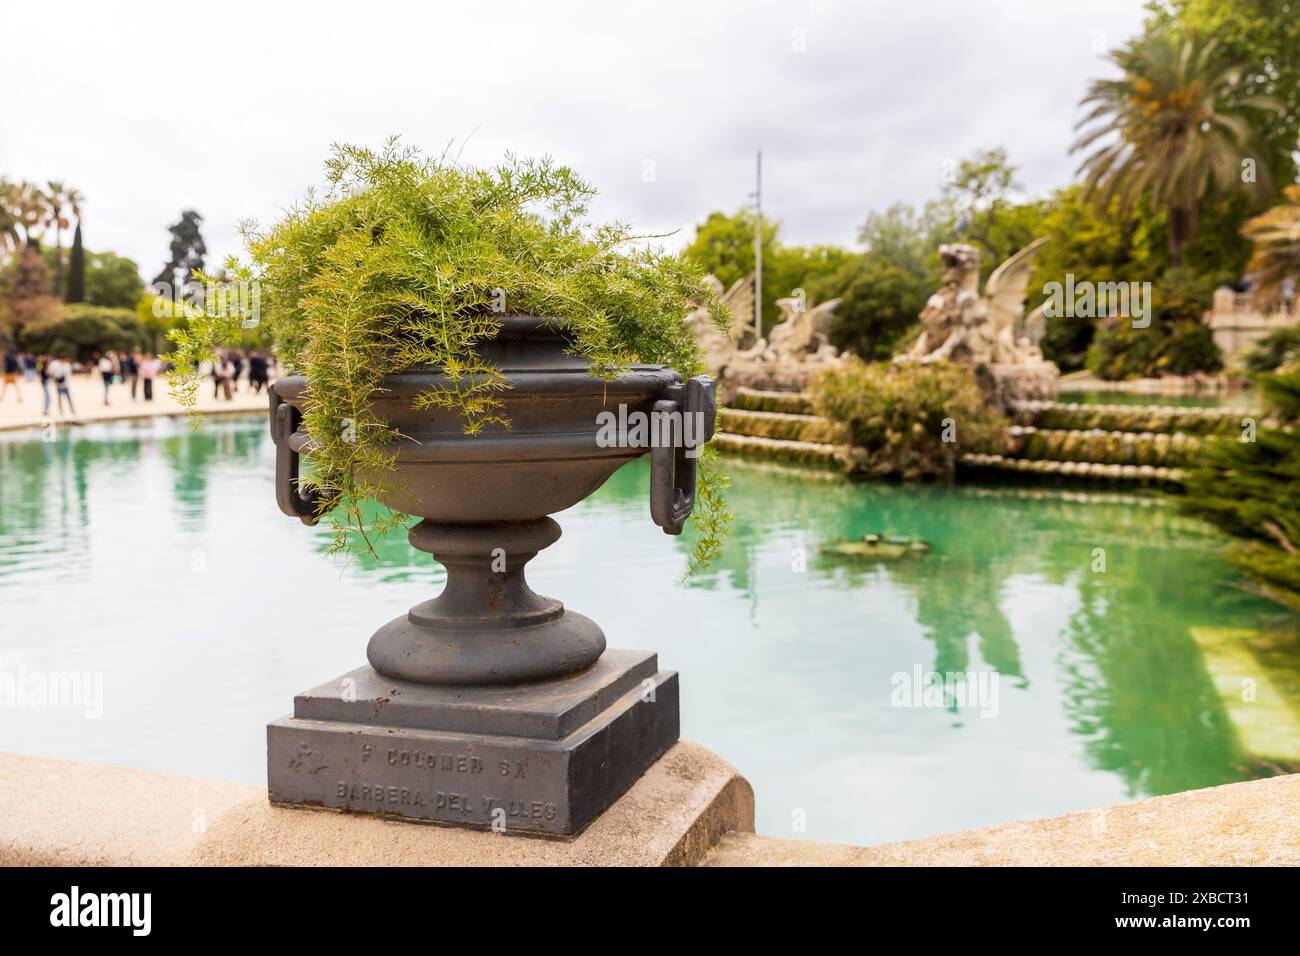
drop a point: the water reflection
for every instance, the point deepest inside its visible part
(158, 557)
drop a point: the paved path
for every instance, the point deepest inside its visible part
(88, 397)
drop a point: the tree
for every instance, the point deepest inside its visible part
(187, 252)
(793, 268)
(979, 197)
(112, 281)
(1176, 342)
(909, 239)
(1092, 248)
(10, 221)
(879, 301)
(81, 330)
(26, 299)
(1177, 127)
(30, 206)
(60, 200)
(1276, 259)
(1247, 488)
(724, 247)
(1263, 32)
(76, 270)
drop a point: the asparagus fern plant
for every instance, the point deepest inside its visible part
(401, 262)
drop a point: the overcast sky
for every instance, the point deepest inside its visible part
(855, 105)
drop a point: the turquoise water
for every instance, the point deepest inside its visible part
(157, 558)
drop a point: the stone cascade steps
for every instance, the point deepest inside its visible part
(1143, 474)
(1140, 419)
(1158, 449)
(778, 426)
(782, 425)
(1147, 445)
(753, 400)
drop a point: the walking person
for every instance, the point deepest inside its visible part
(43, 371)
(225, 372)
(11, 369)
(237, 366)
(105, 365)
(61, 372)
(149, 368)
(257, 372)
(131, 370)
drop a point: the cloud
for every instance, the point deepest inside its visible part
(855, 106)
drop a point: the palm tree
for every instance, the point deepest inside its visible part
(1182, 130)
(1276, 235)
(32, 207)
(9, 217)
(58, 199)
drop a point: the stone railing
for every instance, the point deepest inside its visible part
(690, 809)
(1236, 324)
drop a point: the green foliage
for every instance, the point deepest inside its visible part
(109, 280)
(1275, 260)
(398, 265)
(80, 330)
(1279, 347)
(880, 301)
(1264, 35)
(1247, 488)
(186, 253)
(899, 416)
(979, 196)
(25, 298)
(724, 247)
(112, 281)
(1178, 125)
(76, 291)
(1176, 342)
(909, 239)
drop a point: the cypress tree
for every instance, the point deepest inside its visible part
(76, 291)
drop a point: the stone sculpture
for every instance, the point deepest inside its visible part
(958, 325)
(796, 348)
(717, 346)
(987, 333)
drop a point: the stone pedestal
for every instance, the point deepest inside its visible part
(542, 757)
(1007, 384)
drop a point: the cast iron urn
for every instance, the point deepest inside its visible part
(491, 705)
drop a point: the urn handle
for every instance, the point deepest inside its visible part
(692, 410)
(293, 500)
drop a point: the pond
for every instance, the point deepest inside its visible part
(1109, 652)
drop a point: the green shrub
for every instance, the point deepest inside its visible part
(909, 421)
(1248, 488)
(1279, 346)
(1176, 342)
(81, 330)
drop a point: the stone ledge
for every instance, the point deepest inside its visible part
(57, 812)
(1238, 824)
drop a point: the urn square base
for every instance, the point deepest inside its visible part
(543, 757)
